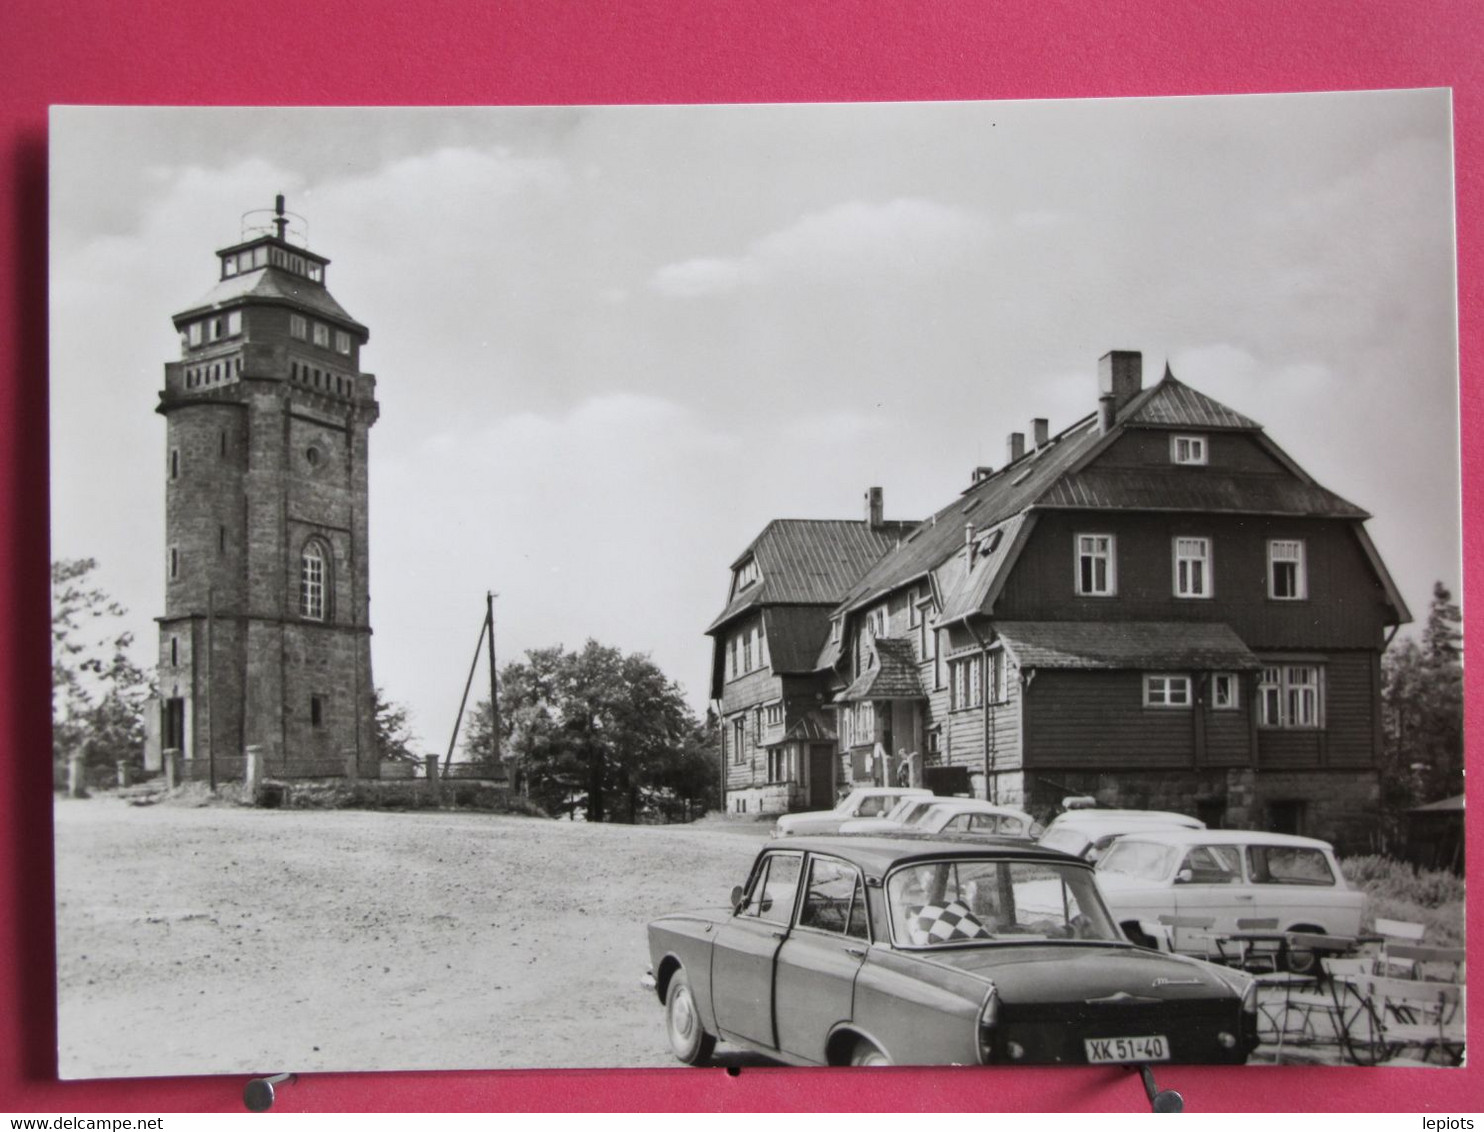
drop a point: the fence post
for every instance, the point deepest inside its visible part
(435, 784)
(76, 779)
(122, 766)
(253, 772)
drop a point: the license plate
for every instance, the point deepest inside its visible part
(1154, 1047)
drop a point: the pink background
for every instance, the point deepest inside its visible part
(363, 52)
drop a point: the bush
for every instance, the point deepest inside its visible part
(1395, 890)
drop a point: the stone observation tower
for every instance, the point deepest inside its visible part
(265, 645)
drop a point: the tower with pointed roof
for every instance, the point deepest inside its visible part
(265, 640)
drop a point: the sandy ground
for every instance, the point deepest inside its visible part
(227, 940)
(209, 940)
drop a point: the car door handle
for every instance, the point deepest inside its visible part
(778, 935)
(1244, 896)
(858, 952)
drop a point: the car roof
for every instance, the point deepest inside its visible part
(1224, 837)
(878, 853)
(976, 806)
(904, 791)
(1098, 817)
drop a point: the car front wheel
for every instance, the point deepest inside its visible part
(688, 1039)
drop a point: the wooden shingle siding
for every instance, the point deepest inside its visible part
(1345, 607)
(1147, 448)
(1096, 720)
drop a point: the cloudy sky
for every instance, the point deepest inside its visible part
(612, 343)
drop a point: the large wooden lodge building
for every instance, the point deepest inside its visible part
(1155, 606)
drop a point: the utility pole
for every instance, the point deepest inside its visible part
(489, 615)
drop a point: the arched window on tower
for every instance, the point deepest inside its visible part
(314, 581)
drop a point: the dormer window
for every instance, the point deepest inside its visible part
(321, 335)
(747, 574)
(1188, 449)
(193, 334)
(298, 326)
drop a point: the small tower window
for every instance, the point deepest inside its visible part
(259, 256)
(229, 265)
(175, 463)
(316, 272)
(314, 573)
(298, 326)
(316, 711)
(234, 322)
(222, 438)
(321, 334)
(193, 334)
(174, 650)
(174, 563)
(342, 342)
(221, 539)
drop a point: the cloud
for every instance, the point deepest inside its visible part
(853, 242)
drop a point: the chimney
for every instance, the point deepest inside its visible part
(874, 507)
(1015, 447)
(1040, 431)
(1121, 373)
(1107, 411)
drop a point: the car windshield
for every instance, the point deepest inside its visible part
(969, 901)
(1144, 860)
(1065, 839)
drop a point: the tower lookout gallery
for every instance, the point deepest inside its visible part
(265, 645)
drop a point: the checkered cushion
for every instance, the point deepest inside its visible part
(947, 923)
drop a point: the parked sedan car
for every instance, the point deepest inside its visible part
(1224, 876)
(1087, 833)
(862, 802)
(858, 950)
(948, 815)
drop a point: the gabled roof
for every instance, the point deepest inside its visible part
(793, 633)
(811, 727)
(273, 284)
(1173, 404)
(810, 561)
(1199, 646)
(1064, 474)
(892, 677)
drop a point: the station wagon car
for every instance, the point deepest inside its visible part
(860, 950)
(862, 802)
(1223, 876)
(949, 815)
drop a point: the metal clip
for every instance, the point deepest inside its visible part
(1160, 1100)
(257, 1094)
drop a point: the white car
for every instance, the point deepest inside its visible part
(948, 815)
(862, 802)
(1225, 875)
(1087, 833)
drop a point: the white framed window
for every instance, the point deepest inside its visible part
(193, 334)
(927, 636)
(739, 734)
(746, 575)
(259, 256)
(298, 326)
(966, 682)
(1097, 565)
(1288, 577)
(914, 610)
(747, 650)
(775, 713)
(218, 328)
(1291, 696)
(1164, 690)
(1225, 694)
(234, 323)
(321, 335)
(342, 342)
(999, 684)
(1192, 567)
(316, 272)
(229, 266)
(762, 646)
(1188, 450)
(876, 621)
(313, 578)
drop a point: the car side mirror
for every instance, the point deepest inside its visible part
(1185, 876)
(738, 892)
